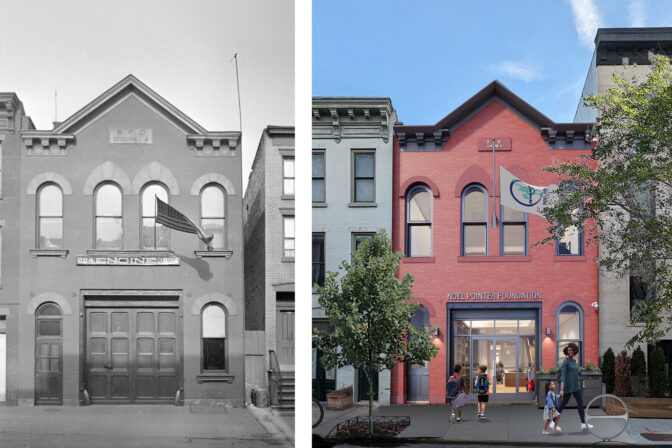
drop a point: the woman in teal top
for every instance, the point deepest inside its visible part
(570, 385)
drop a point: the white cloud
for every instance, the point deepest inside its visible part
(587, 20)
(637, 11)
(522, 70)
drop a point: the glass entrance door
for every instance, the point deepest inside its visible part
(506, 346)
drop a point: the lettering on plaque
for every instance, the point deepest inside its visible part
(131, 136)
(495, 296)
(128, 261)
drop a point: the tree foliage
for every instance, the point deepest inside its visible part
(623, 190)
(370, 310)
(638, 364)
(622, 385)
(608, 366)
(657, 376)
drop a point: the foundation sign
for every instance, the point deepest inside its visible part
(88, 260)
(131, 136)
(495, 296)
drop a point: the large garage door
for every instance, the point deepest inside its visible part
(132, 355)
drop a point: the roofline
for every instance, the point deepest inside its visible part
(115, 89)
(633, 32)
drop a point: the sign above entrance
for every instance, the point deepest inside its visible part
(142, 260)
(131, 136)
(495, 296)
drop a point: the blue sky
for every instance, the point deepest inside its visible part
(431, 56)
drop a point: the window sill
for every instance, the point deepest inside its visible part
(418, 260)
(213, 253)
(362, 204)
(570, 258)
(287, 197)
(319, 205)
(287, 260)
(496, 259)
(49, 253)
(215, 378)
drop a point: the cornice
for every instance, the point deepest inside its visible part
(352, 118)
(47, 143)
(214, 143)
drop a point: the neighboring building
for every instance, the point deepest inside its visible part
(497, 300)
(101, 304)
(352, 199)
(616, 51)
(269, 267)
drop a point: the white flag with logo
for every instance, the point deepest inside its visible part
(521, 196)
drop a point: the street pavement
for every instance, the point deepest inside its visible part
(508, 424)
(144, 426)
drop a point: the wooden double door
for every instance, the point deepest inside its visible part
(132, 355)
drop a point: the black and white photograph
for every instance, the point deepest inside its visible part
(147, 182)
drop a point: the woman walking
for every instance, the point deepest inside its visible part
(570, 385)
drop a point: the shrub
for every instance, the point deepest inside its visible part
(638, 365)
(622, 386)
(657, 376)
(608, 365)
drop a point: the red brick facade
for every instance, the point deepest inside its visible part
(446, 172)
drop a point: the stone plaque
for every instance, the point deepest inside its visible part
(131, 136)
(106, 260)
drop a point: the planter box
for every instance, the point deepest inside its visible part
(339, 399)
(639, 407)
(591, 384)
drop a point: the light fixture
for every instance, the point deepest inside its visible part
(595, 305)
(548, 330)
(436, 332)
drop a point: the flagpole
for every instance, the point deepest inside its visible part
(240, 113)
(494, 208)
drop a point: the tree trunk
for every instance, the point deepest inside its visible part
(371, 401)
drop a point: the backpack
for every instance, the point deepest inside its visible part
(452, 387)
(482, 384)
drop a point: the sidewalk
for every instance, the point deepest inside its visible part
(505, 423)
(143, 426)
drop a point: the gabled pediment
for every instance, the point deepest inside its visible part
(436, 135)
(130, 85)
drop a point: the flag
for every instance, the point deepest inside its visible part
(521, 196)
(173, 219)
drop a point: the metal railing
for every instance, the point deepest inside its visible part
(274, 379)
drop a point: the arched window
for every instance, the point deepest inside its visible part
(213, 338)
(474, 220)
(569, 328)
(50, 217)
(571, 240)
(419, 222)
(213, 214)
(154, 236)
(108, 226)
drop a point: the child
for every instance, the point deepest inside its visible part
(462, 389)
(551, 406)
(482, 387)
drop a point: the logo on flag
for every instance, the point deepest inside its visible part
(521, 196)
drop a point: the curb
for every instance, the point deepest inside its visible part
(275, 426)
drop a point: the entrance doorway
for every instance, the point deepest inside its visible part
(363, 385)
(49, 355)
(506, 345)
(418, 373)
(284, 320)
(132, 351)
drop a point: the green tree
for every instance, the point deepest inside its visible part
(638, 364)
(657, 376)
(607, 368)
(370, 310)
(623, 190)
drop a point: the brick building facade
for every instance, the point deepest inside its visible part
(495, 298)
(103, 305)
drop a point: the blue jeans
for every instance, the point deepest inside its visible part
(578, 394)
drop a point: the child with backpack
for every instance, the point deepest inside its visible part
(482, 390)
(456, 393)
(550, 409)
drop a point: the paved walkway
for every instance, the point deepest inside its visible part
(143, 426)
(505, 423)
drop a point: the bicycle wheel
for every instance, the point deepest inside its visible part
(318, 412)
